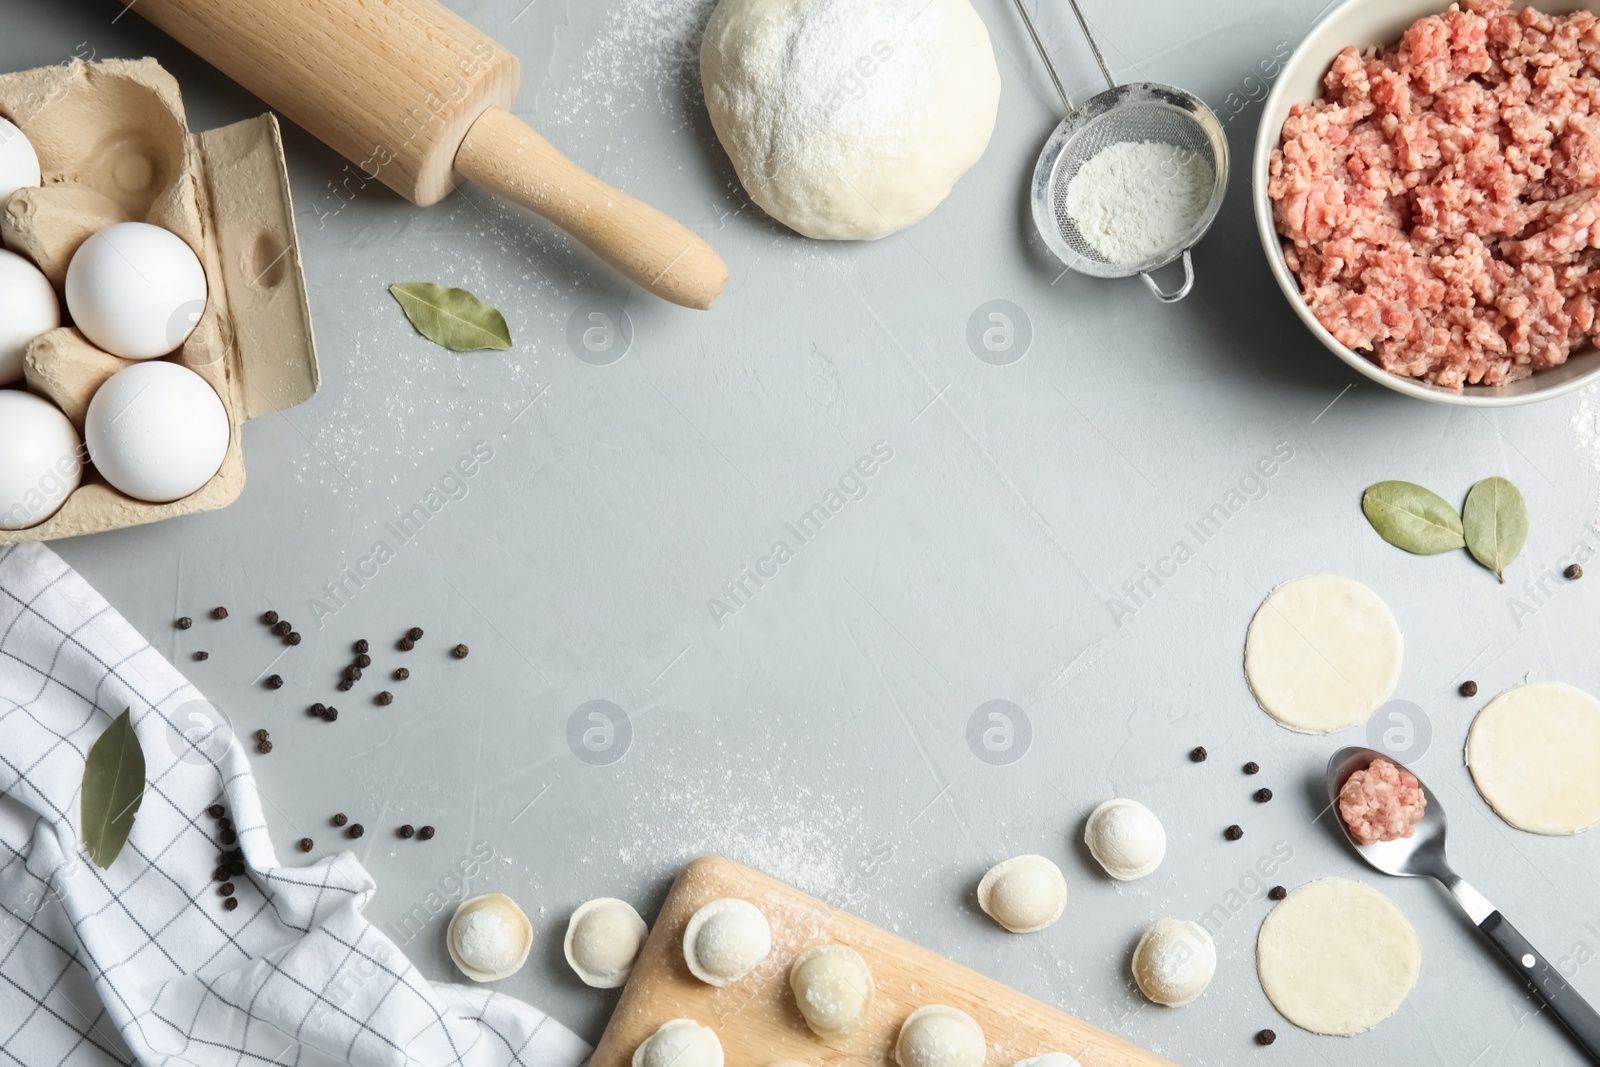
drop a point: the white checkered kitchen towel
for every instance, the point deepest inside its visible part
(141, 963)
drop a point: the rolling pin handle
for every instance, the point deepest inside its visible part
(503, 154)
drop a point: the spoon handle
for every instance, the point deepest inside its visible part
(1546, 983)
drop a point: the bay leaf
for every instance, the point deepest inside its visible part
(452, 318)
(113, 789)
(1495, 518)
(1413, 518)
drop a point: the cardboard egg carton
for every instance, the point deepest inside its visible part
(114, 147)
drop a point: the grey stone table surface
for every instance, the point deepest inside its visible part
(992, 534)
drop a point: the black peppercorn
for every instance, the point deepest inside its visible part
(363, 660)
(1263, 795)
(1574, 572)
(352, 673)
(270, 618)
(236, 868)
(401, 674)
(185, 622)
(202, 656)
(361, 646)
(219, 613)
(385, 698)
(216, 811)
(274, 681)
(306, 844)
(224, 823)
(230, 903)
(1468, 689)
(356, 830)
(221, 873)
(261, 735)
(1198, 754)
(228, 836)
(345, 685)
(340, 819)
(406, 644)
(408, 830)
(1252, 767)
(292, 637)
(460, 651)
(415, 633)
(331, 714)
(1234, 832)
(1266, 1037)
(263, 747)
(1277, 892)
(425, 833)
(225, 889)
(282, 627)
(318, 709)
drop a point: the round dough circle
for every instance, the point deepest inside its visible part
(679, 1043)
(1024, 894)
(848, 120)
(834, 989)
(1323, 652)
(603, 937)
(725, 940)
(1174, 962)
(489, 937)
(940, 1036)
(1337, 957)
(1126, 838)
(1534, 753)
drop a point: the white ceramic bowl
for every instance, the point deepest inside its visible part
(1364, 23)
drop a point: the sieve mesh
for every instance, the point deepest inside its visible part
(1137, 121)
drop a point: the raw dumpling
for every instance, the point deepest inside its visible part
(940, 1036)
(489, 937)
(679, 1043)
(725, 940)
(1023, 894)
(1126, 838)
(1174, 962)
(603, 938)
(833, 986)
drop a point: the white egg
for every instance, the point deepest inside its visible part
(41, 459)
(19, 163)
(157, 431)
(28, 308)
(136, 290)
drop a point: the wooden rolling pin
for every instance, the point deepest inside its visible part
(414, 95)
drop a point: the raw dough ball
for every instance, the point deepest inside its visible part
(489, 937)
(1023, 894)
(603, 939)
(19, 163)
(849, 119)
(940, 1036)
(28, 308)
(1337, 957)
(1174, 962)
(679, 1043)
(833, 986)
(1125, 838)
(40, 459)
(1323, 652)
(725, 940)
(1534, 753)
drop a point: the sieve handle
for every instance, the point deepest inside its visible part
(1183, 291)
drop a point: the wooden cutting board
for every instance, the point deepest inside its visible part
(756, 1017)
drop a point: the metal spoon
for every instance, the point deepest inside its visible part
(1422, 855)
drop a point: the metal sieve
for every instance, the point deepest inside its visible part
(1139, 112)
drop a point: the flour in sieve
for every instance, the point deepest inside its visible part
(1136, 199)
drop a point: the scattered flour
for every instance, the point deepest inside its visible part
(1135, 199)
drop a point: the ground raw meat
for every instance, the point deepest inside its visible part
(1384, 802)
(1439, 202)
